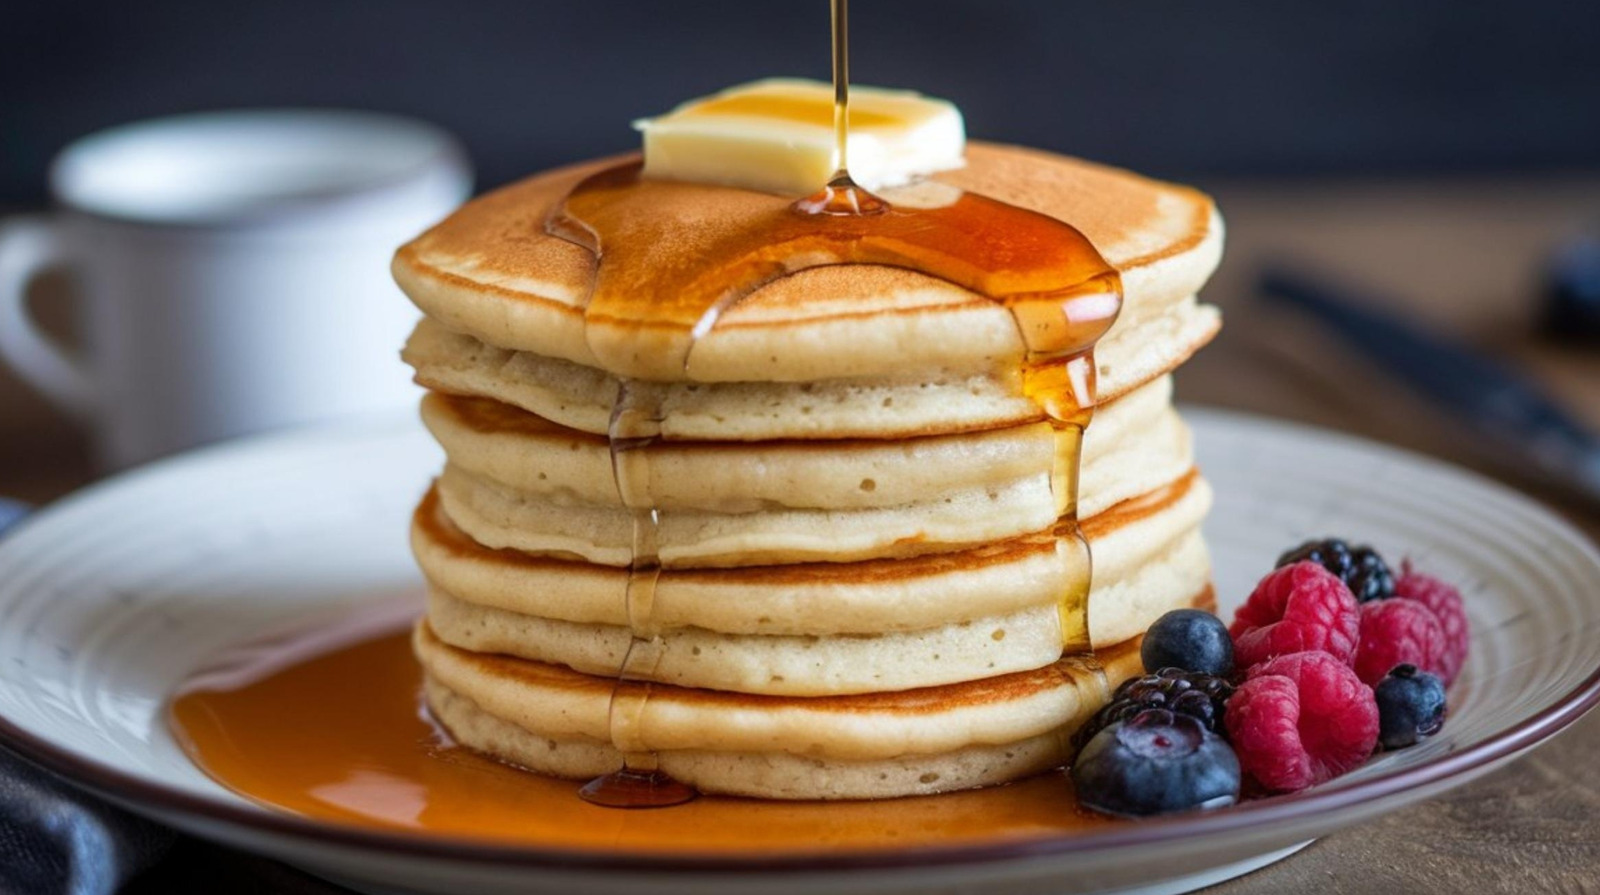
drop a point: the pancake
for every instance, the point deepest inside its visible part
(810, 665)
(906, 402)
(825, 627)
(499, 517)
(1136, 444)
(491, 272)
(784, 665)
(788, 503)
(555, 721)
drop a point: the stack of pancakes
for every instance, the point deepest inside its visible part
(860, 585)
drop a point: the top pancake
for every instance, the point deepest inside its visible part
(492, 272)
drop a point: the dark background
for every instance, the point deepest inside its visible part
(1182, 89)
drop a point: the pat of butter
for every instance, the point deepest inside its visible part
(776, 135)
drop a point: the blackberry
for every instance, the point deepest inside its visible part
(1196, 694)
(1359, 567)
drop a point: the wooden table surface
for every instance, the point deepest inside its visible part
(1462, 256)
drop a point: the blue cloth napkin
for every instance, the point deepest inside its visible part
(55, 839)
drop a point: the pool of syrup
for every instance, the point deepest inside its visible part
(328, 723)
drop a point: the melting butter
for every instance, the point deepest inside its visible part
(776, 135)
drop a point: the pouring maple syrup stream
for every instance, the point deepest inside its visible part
(840, 10)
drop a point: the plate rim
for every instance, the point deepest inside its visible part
(149, 798)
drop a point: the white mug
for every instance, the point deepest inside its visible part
(232, 270)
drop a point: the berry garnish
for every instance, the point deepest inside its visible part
(1445, 603)
(1410, 707)
(1156, 762)
(1301, 719)
(1199, 695)
(1360, 568)
(1296, 608)
(1396, 632)
(1191, 639)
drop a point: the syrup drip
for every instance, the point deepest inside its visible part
(634, 425)
(648, 314)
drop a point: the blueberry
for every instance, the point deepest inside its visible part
(1410, 706)
(1156, 763)
(1190, 639)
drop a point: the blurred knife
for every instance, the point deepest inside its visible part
(1514, 416)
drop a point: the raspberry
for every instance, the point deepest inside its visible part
(1296, 608)
(1397, 632)
(1445, 602)
(1301, 719)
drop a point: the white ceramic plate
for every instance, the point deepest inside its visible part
(109, 598)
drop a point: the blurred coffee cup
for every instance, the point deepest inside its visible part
(231, 272)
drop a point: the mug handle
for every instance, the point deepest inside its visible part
(30, 246)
